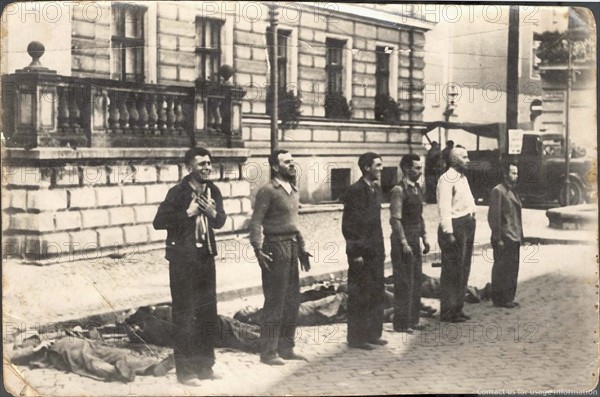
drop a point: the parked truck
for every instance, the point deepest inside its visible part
(541, 162)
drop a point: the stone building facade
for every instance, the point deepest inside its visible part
(96, 126)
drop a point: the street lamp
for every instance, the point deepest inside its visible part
(450, 107)
(573, 34)
(273, 18)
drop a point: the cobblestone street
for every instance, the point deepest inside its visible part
(549, 343)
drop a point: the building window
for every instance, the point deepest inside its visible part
(334, 66)
(283, 40)
(208, 48)
(340, 181)
(535, 61)
(128, 42)
(382, 73)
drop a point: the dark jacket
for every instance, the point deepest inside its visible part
(181, 229)
(361, 221)
(504, 214)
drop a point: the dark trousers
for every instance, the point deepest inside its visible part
(281, 289)
(456, 266)
(194, 295)
(408, 279)
(366, 291)
(505, 272)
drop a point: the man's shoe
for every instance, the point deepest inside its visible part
(516, 303)
(456, 319)
(463, 315)
(418, 327)
(272, 361)
(292, 356)
(379, 342)
(406, 330)
(194, 382)
(507, 305)
(363, 346)
(207, 373)
(163, 367)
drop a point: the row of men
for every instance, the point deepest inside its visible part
(194, 208)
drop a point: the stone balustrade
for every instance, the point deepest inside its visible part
(44, 109)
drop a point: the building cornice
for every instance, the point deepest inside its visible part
(358, 12)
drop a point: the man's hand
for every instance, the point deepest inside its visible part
(207, 206)
(406, 250)
(426, 246)
(44, 345)
(263, 259)
(500, 244)
(450, 238)
(193, 209)
(305, 260)
(358, 261)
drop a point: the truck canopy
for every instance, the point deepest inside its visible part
(491, 130)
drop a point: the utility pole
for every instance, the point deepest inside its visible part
(512, 70)
(274, 13)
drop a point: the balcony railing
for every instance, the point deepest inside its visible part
(44, 109)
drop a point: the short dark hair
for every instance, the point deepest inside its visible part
(366, 160)
(274, 157)
(408, 160)
(450, 143)
(505, 166)
(196, 151)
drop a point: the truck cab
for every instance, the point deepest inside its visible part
(541, 161)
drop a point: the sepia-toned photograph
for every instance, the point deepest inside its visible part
(299, 198)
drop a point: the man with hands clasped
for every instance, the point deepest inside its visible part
(408, 228)
(276, 214)
(189, 213)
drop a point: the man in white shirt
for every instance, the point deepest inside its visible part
(455, 235)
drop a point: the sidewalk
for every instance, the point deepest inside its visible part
(71, 291)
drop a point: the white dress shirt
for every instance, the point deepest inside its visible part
(454, 198)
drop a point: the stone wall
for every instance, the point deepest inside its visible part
(59, 203)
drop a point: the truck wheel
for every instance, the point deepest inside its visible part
(576, 194)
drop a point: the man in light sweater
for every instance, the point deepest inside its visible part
(455, 235)
(276, 213)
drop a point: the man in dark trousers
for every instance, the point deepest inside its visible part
(504, 217)
(361, 226)
(432, 171)
(455, 235)
(190, 212)
(276, 213)
(408, 228)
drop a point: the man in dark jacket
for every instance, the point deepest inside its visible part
(361, 226)
(190, 212)
(504, 217)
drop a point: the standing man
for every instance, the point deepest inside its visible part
(455, 235)
(190, 212)
(504, 217)
(445, 156)
(361, 226)
(276, 213)
(432, 171)
(408, 228)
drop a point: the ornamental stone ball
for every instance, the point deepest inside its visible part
(226, 71)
